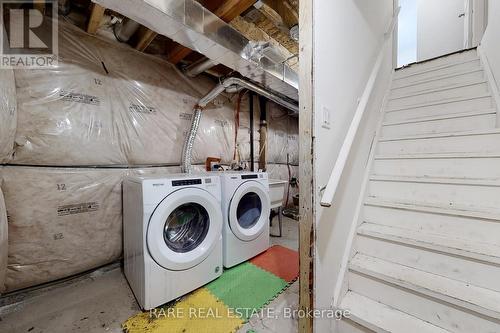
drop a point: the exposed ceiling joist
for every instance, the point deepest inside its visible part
(145, 37)
(254, 33)
(261, 21)
(96, 15)
(283, 10)
(227, 11)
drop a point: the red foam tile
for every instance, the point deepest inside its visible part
(279, 261)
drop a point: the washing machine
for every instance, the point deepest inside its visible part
(172, 235)
(246, 208)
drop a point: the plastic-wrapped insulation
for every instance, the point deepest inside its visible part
(3, 242)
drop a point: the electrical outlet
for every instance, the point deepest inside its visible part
(326, 114)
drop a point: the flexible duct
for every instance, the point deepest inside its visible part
(187, 151)
(216, 91)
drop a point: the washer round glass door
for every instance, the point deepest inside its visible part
(249, 210)
(184, 228)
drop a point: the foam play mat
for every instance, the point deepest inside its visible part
(225, 304)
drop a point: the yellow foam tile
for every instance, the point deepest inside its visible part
(199, 312)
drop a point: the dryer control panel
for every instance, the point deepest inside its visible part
(186, 182)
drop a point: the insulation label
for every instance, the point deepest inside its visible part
(141, 108)
(79, 98)
(77, 208)
(222, 122)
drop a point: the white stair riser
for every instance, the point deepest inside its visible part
(442, 71)
(483, 197)
(438, 96)
(485, 143)
(398, 89)
(437, 313)
(454, 267)
(475, 229)
(429, 65)
(475, 104)
(479, 168)
(476, 122)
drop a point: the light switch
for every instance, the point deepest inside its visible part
(325, 117)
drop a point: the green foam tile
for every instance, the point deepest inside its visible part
(246, 286)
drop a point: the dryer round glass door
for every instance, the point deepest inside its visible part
(249, 210)
(184, 228)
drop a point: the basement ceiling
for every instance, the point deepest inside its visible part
(266, 21)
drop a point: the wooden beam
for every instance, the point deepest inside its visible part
(227, 11)
(306, 170)
(146, 36)
(95, 20)
(177, 53)
(281, 35)
(256, 34)
(232, 8)
(287, 14)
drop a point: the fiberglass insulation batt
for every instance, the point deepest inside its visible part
(62, 221)
(106, 104)
(7, 113)
(3, 242)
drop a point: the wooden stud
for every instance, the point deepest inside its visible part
(96, 16)
(226, 12)
(306, 173)
(146, 36)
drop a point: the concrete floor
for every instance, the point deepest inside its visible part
(102, 300)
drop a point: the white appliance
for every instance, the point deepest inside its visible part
(246, 208)
(172, 235)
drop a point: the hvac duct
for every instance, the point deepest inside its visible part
(190, 24)
(125, 29)
(203, 102)
(198, 67)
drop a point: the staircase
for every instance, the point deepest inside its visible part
(426, 256)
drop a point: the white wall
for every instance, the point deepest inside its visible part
(479, 20)
(439, 29)
(347, 38)
(491, 39)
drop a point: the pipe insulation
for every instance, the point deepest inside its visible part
(187, 150)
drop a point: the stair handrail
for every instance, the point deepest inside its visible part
(338, 168)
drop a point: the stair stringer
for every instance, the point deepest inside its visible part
(492, 83)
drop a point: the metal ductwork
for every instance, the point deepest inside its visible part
(230, 82)
(125, 29)
(199, 67)
(192, 25)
